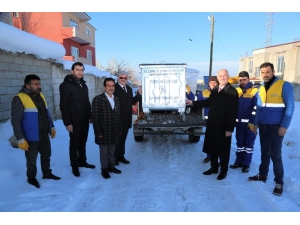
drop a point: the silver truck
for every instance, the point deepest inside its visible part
(163, 102)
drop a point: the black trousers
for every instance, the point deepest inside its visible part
(44, 148)
(78, 138)
(224, 156)
(120, 147)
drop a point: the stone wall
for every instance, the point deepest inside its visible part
(15, 66)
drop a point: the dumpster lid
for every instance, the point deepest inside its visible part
(161, 64)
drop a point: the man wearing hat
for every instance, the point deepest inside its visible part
(212, 82)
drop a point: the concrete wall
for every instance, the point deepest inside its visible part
(6, 17)
(15, 66)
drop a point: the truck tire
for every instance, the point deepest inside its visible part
(194, 139)
(138, 138)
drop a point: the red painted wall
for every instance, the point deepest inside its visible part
(49, 26)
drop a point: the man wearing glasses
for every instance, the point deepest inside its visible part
(245, 137)
(125, 95)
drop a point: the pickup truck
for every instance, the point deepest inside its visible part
(163, 102)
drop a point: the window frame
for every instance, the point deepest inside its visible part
(250, 66)
(16, 14)
(77, 51)
(280, 64)
(89, 54)
(257, 72)
(73, 22)
(88, 31)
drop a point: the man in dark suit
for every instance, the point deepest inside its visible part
(223, 108)
(107, 126)
(125, 95)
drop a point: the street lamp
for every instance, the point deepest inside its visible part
(212, 19)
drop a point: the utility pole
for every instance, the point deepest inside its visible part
(212, 19)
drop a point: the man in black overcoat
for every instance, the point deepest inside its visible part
(223, 108)
(125, 95)
(76, 114)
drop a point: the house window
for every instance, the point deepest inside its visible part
(88, 31)
(75, 53)
(73, 23)
(280, 64)
(257, 72)
(16, 14)
(250, 66)
(89, 54)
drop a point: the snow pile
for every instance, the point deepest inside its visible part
(14, 40)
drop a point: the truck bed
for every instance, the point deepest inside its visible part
(167, 119)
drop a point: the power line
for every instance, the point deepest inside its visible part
(225, 49)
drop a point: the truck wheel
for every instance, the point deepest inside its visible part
(138, 138)
(194, 139)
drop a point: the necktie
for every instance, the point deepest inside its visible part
(220, 89)
(124, 89)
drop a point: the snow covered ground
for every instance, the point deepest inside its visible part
(165, 175)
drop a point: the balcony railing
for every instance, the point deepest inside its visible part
(76, 35)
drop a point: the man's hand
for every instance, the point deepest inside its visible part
(188, 102)
(23, 144)
(70, 128)
(228, 133)
(255, 129)
(140, 90)
(282, 131)
(53, 132)
(187, 89)
(251, 126)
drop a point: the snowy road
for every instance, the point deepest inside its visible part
(165, 175)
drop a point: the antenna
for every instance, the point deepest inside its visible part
(269, 26)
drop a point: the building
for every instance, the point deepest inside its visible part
(71, 29)
(286, 60)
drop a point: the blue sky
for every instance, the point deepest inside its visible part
(159, 30)
(152, 37)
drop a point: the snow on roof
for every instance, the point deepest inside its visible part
(15, 40)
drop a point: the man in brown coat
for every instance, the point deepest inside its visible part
(223, 108)
(107, 125)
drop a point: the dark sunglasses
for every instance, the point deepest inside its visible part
(125, 78)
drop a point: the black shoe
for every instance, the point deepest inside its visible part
(75, 171)
(123, 160)
(236, 165)
(51, 176)
(34, 182)
(222, 175)
(211, 171)
(116, 162)
(114, 170)
(105, 174)
(86, 165)
(246, 169)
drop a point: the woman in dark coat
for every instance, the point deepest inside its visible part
(223, 108)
